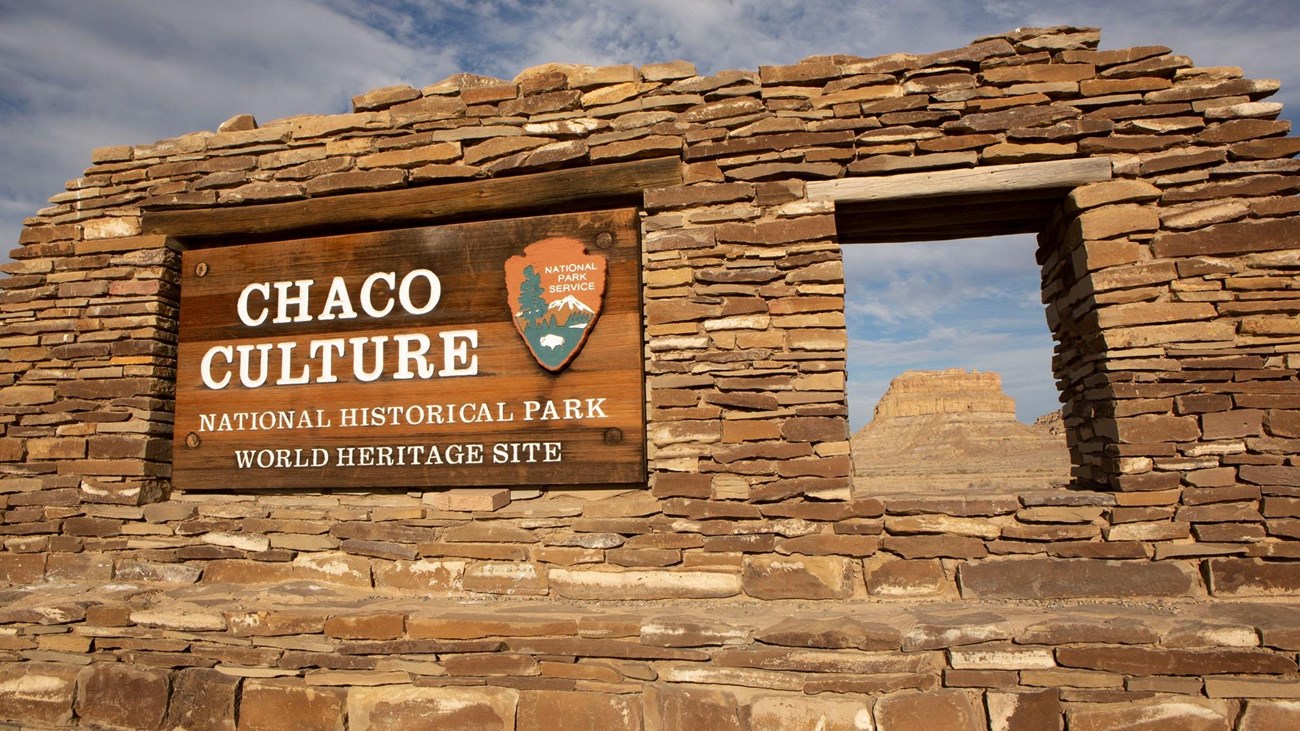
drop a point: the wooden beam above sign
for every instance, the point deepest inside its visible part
(538, 191)
(1029, 176)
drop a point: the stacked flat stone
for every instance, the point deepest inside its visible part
(143, 659)
(1170, 290)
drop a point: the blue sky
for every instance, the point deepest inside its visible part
(78, 74)
(908, 307)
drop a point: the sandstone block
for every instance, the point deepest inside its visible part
(277, 623)
(395, 708)
(635, 585)
(580, 711)
(426, 575)
(259, 192)
(122, 696)
(469, 628)
(1156, 530)
(110, 228)
(1146, 313)
(511, 579)
(940, 710)
(1183, 713)
(943, 524)
(21, 568)
(814, 429)
(1094, 255)
(266, 704)
(56, 448)
(1154, 428)
(1134, 275)
(1034, 711)
(182, 616)
(805, 228)
(1164, 661)
(383, 97)
(1267, 149)
(203, 700)
(687, 632)
(240, 541)
(337, 568)
(1270, 716)
(821, 712)
(1270, 475)
(680, 707)
(412, 157)
(831, 634)
(906, 578)
(825, 661)
(426, 108)
(1228, 686)
(468, 500)
(668, 71)
(1240, 577)
(357, 180)
(320, 126)
(935, 546)
(1239, 237)
(981, 678)
(678, 432)
(491, 664)
(366, 626)
(1007, 153)
(1283, 423)
(37, 693)
(26, 395)
(995, 656)
(1232, 424)
(1044, 578)
(799, 577)
(1239, 130)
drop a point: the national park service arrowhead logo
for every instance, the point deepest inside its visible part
(555, 290)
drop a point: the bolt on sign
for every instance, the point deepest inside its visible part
(496, 353)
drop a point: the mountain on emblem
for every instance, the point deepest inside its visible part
(555, 290)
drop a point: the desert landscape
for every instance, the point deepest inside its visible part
(955, 429)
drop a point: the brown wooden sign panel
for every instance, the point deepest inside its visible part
(497, 353)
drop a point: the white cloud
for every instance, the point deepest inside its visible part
(75, 76)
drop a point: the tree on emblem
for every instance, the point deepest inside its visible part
(531, 304)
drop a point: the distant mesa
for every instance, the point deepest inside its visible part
(1052, 423)
(956, 430)
(953, 392)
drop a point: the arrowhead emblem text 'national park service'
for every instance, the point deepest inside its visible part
(555, 290)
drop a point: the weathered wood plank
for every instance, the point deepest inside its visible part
(1050, 174)
(946, 219)
(423, 204)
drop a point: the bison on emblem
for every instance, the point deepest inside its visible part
(555, 290)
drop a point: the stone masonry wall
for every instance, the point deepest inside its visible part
(1171, 290)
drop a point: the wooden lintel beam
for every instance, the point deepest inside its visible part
(1051, 174)
(950, 218)
(494, 195)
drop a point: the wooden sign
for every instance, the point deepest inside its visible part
(498, 353)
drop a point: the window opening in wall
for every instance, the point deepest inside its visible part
(952, 336)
